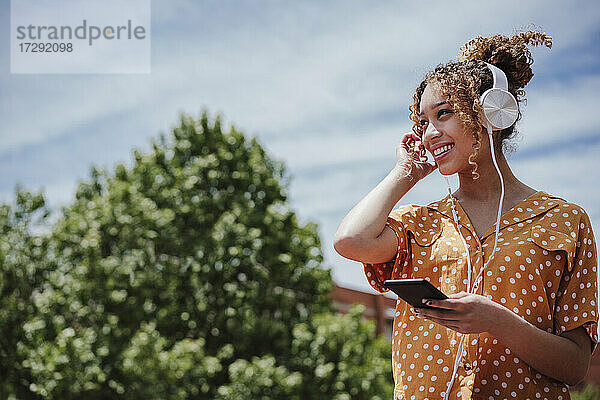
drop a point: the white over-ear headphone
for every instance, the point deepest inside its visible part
(500, 109)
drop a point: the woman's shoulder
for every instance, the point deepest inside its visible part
(561, 205)
(414, 213)
(404, 210)
(564, 216)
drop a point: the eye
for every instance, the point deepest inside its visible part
(444, 111)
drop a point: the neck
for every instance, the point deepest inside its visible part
(486, 189)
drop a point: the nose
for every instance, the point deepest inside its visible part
(430, 132)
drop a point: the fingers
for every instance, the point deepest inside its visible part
(421, 154)
(446, 318)
(441, 314)
(443, 318)
(407, 141)
(449, 304)
(410, 137)
(407, 151)
(453, 301)
(458, 295)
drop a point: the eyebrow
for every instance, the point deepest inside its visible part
(435, 106)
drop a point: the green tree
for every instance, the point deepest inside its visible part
(23, 264)
(184, 275)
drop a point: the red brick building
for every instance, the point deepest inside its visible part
(382, 308)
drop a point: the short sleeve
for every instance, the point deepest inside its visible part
(377, 273)
(577, 299)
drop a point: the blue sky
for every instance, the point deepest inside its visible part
(325, 86)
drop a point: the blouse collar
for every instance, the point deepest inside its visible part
(534, 205)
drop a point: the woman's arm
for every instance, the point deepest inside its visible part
(565, 357)
(356, 237)
(358, 234)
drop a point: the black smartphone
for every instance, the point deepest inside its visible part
(413, 291)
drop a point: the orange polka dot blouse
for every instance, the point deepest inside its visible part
(544, 270)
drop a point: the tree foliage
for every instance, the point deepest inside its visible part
(182, 276)
(589, 392)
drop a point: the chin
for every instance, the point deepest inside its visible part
(447, 170)
(451, 167)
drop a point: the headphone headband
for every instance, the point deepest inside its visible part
(500, 80)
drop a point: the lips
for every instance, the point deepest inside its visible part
(441, 151)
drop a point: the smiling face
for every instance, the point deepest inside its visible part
(444, 134)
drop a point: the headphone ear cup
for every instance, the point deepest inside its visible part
(500, 108)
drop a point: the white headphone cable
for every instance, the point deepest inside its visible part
(497, 231)
(459, 354)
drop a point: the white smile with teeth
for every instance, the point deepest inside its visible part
(442, 149)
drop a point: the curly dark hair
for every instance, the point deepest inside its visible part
(463, 82)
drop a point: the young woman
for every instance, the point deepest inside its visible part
(518, 264)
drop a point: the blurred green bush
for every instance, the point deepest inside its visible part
(183, 276)
(589, 392)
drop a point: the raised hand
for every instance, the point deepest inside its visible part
(411, 158)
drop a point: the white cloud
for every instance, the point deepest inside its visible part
(277, 76)
(560, 111)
